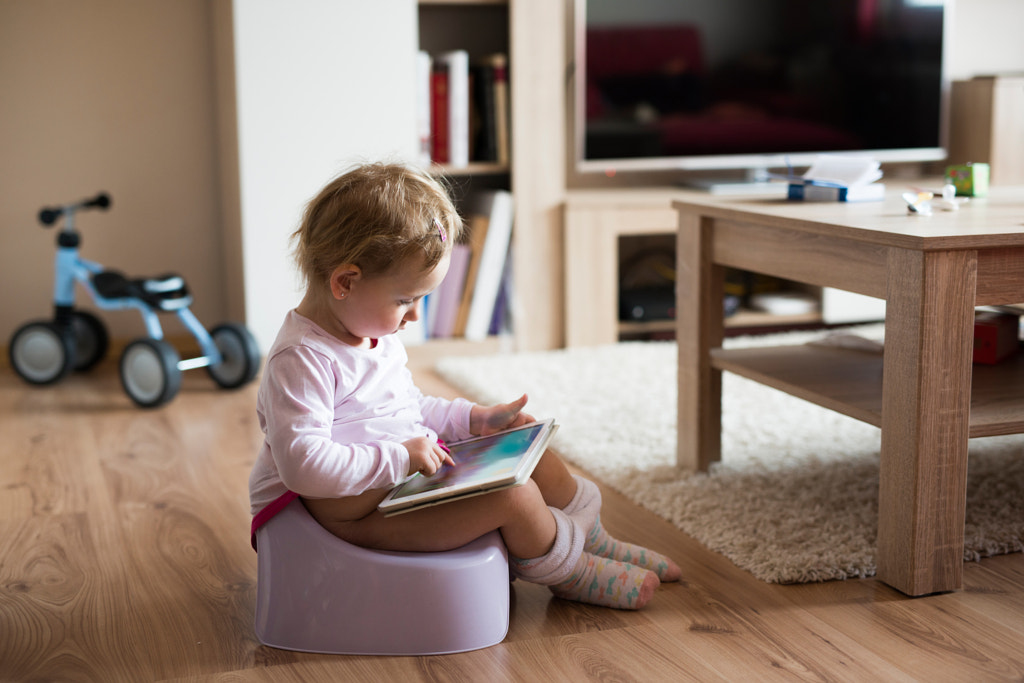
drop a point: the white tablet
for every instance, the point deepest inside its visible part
(482, 464)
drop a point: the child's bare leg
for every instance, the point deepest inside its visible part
(519, 513)
(549, 540)
(554, 480)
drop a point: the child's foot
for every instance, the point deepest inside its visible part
(607, 582)
(585, 509)
(600, 543)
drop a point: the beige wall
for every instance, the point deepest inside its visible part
(114, 95)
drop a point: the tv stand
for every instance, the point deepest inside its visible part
(601, 225)
(756, 182)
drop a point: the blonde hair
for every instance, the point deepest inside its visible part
(376, 216)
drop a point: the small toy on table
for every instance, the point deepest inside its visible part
(970, 179)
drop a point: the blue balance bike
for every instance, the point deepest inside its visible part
(45, 351)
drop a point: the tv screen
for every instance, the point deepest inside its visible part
(743, 84)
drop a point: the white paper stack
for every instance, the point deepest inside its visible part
(843, 171)
(838, 178)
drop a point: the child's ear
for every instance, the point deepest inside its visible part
(342, 278)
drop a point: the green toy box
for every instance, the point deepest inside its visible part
(970, 179)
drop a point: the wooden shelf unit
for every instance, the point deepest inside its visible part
(531, 33)
(595, 222)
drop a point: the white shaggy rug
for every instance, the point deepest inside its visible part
(795, 498)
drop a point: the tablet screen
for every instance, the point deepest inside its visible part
(477, 461)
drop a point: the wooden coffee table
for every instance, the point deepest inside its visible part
(923, 392)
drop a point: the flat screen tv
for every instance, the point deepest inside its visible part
(757, 84)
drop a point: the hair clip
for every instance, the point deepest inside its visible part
(440, 229)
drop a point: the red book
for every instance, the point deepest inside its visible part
(439, 115)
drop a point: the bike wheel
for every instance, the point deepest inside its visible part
(149, 372)
(41, 352)
(240, 356)
(91, 340)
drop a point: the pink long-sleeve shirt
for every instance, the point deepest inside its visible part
(334, 417)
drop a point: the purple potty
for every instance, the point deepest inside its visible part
(317, 593)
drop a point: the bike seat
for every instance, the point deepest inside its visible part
(165, 292)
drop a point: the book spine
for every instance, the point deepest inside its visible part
(439, 113)
(483, 100)
(478, 224)
(423, 105)
(446, 299)
(499, 64)
(458, 106)
(810, 192)
(503, 319)
(492, 266)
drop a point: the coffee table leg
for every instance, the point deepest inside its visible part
(699, 328)
(929, 331)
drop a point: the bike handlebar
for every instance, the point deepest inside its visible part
(49, 215)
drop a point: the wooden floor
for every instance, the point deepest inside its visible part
(124, 556)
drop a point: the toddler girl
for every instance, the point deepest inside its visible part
(344, 423)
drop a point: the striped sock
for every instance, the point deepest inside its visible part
(576, 575)
(585, 510)
(607, 582)
(600, 543)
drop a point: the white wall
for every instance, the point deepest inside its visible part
(987, 38)
(320, 84)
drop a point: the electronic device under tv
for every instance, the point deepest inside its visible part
(753, 85)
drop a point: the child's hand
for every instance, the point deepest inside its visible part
(426, 456)
(484, 421)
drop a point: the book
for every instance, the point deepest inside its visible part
(836, 178)
(424, 66)
(815, 192)
(445, 300)
(477, 224)
(499, 66)
(485, 133)
(503, 318)
(490, 102)
(843, 170)
(439, 113)
(482, 464)
(456, 63)
(498, 207)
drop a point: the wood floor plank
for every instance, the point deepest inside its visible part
(992, 587)
(750, 626)
(939, 637)
(562, 659)
(61, 616)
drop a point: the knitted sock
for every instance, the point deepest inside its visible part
(585, 505)
(572, 574)
(607, 582)
(600, 543)
(585, 509)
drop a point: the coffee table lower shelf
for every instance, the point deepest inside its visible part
(850, 382)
